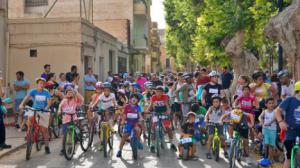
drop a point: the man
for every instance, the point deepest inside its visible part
(89, 85)
(226, 78)
(202, 77)
(291, 106)
(21, 87)
(3, 145)
(41, 101)
(287, 86)
(155, 80)
(210, 89)
(70, 75)
(109, 77)
(47, 69)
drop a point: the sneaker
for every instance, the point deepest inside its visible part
(119, 154)
(152, 149)
(17, 126)
(47, 150)
(5, 146)
(173, 147)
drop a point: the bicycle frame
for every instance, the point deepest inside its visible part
(295, 149)
(216, 138)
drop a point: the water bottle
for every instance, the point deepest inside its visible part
(297, 140)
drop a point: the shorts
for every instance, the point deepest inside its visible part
(17, 104)
(185, 108)
(128, 128)
(211, 130)
(269, 137)
(289, 144)
(176, 107)
(165, 123)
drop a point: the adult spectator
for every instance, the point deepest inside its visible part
(291, 121)
(286, 84)
(69, 75)
(213, 87)
(62, 81)
(21, 87)
(75, 81)
(89, 85)
(109, 76)
(52, 77)
(3, 145)
(155, 80)
(203, 78)
(47, 70)
(226, 78)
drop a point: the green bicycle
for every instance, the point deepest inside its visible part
(295, 155)
(235, 152)
(216, 142)
(74, 133)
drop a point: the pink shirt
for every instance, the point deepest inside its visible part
(141, 81)
(246, 103)
(69, 106)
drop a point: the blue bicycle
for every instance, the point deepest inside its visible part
(134, 142)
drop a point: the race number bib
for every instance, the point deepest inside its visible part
(132, 115)
(297, 115)
(186, 140)
(213, 91)
(68, 109)
(40, 98)
(154, 119)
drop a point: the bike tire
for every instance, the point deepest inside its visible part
(185, 155)
(39, 140)
(29, 143)
(133, 144)
(84, 138)
(148, 132)
(111, 141)
(120, 130)
(56, 128)
(232, 155)
(91, 134)
(69, 144)
(104, 142)
(217, 150)
(157, 140)
(297, 159)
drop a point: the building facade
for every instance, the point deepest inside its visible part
(3, 33)
(155, 48)
(167, 62)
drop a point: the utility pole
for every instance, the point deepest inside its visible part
(280, 49)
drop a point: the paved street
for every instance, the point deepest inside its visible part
(93, 158)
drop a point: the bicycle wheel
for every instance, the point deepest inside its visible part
(39, 140)
(217, 150)
(29, 139)
(69, 144)
(148, 126)
(133, 144)
(84, 138)
(56, 127)
(157, 140)
(239, 152)
(232, 155)
(91, 134)
(111, 140)
(297, 159)
(104, 142)
(120, 130)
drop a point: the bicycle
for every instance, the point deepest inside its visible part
(148, 129)
(55, 125)
(134, 143)
(216, 142)
(74, 133)
(187, 143)
(159, 132)
(295, 154)
(33, 134)
(235, 151)
(200, 133)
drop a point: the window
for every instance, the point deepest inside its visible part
(32, 3)
(33, 53)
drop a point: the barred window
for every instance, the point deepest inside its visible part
(32, 3)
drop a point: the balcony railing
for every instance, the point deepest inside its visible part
(33, 3)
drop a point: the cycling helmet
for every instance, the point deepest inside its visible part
(126, 84)
(136, 96)
(136, 86)
(69, 87)
(99, 85)
(39, 79)
(283, 73)
(216, 96)
(213, 73)
(121, 91)
(49, 85)
(195, 107)
(148, 84)
(187, 75)
(297, 86)
(106, 85)
(191, 113)
(161, 88)
(258, 74)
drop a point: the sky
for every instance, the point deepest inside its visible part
(157, 13)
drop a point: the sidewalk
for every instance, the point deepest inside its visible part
(13, 138)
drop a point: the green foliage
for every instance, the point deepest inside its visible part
(196, 28)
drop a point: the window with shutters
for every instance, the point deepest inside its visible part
(32, 3)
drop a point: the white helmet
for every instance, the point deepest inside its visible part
(213, 73)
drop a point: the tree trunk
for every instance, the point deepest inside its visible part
(285, 29)
(242, 61)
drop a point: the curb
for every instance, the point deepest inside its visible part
(12, 150)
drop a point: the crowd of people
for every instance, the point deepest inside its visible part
(259, 107)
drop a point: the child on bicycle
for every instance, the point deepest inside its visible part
(238, 121)
(188, 130)
(68, 106)
(213, 116)
(94, 99)
(131, 119)
(268, 122)
(160, 104)
(226, 109)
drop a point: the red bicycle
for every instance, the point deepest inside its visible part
(33, 134)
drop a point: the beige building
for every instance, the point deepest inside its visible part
(61, 33)
(167, 62)
(155, 49)
(3, 30)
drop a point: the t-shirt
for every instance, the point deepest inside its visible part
(69, 107)
(160, 103)
(210, 91)
(187, 91)
(188, 128)
(21, 93)
(261, 92)
(215, 115)
(246, 103)
(268, 117)
(287, 90)
(106, 101)
(178, 85)
(40, 98)
(203, 81)
(226, 79)
(132, 113)
(89, 78)
(69, 76)
(44, 75)
(291, 106)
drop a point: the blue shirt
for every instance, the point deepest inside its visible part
(89, 78)
(21, 93)
(291, 106)
(39, 98)
(226, 79)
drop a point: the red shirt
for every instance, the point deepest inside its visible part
(160, 102)
(203, 81)
(246, 103)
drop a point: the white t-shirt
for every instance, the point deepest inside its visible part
(287, 90)
(107, 101)
(269, 116)
(177, 86)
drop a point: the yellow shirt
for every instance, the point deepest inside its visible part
(261, 92)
